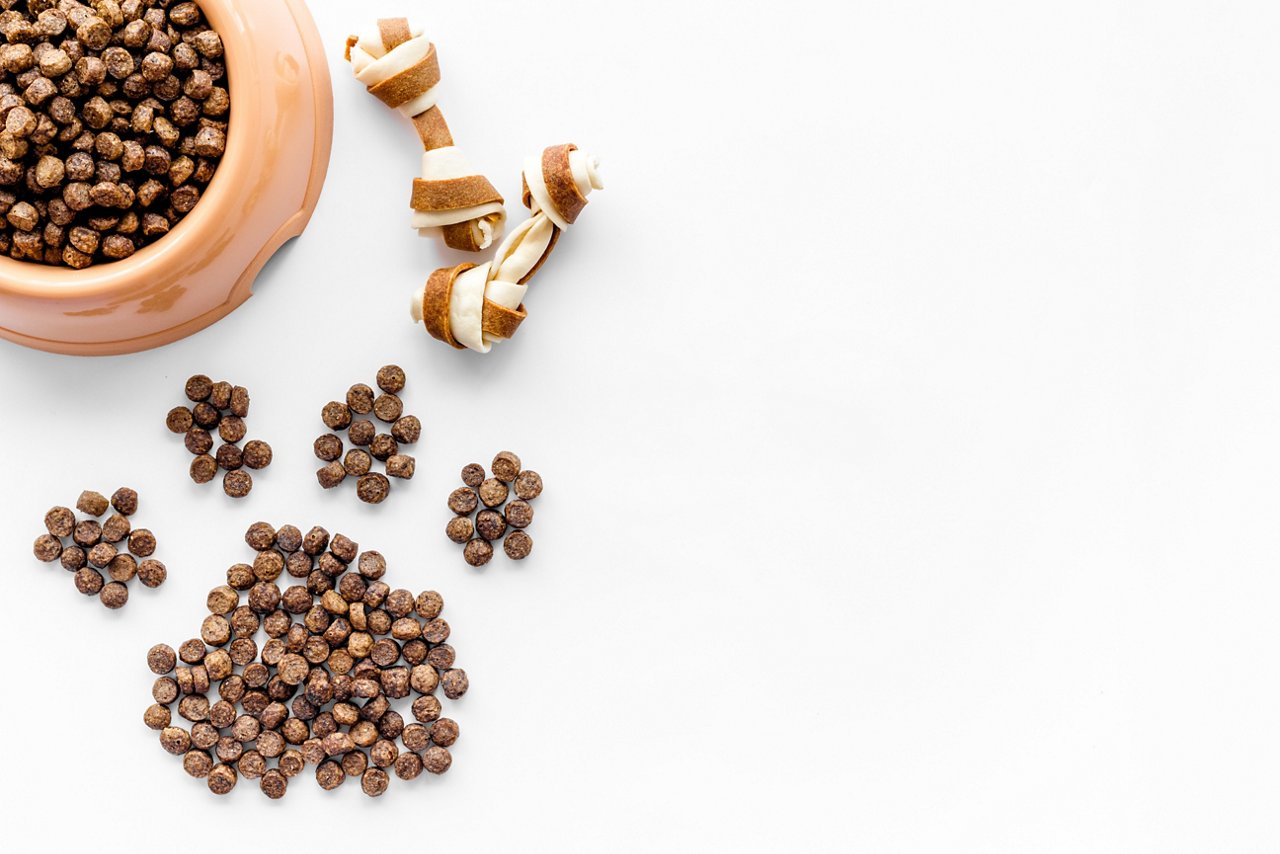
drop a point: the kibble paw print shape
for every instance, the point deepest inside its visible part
(370, 445)
(330, 692)
(223, 408)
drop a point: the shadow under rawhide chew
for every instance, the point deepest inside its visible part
(398, 65)
(473, 307)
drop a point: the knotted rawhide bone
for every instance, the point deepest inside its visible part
(471, 306)
(398, 65)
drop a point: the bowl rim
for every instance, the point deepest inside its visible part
(44, 281)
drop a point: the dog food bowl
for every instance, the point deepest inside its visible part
(263, 194)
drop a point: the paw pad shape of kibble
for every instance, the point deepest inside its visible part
(342, 649)
(487, 499)
(112, 546)
(219, 409)
(368, 445)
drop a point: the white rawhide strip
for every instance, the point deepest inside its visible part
(503, 280)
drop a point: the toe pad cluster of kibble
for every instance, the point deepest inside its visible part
(371, 487)
(112, 546)
(320, 690)
(477, 537)
(222, 407)
(113, 117)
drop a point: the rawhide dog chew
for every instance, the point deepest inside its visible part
(473, 307)
(398, 65)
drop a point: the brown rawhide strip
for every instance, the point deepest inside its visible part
(394, 32)
(432, 129)
(561, 187)
(453, 193)
(500, 321)
(402, 88)
(464, 236)
(435, 303)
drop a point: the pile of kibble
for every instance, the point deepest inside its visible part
(319, 691)
(371, 487)
(97, 546)
(225, 407)
(491, 523)
(113, 118)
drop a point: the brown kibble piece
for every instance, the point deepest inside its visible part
(478, 552)
(328, 447)
(222, 779)
(463, 501)
(87, 533)
(357, 463)
(125, 500)
(179, 420)
(374, 782)
(490, 525)
(203, 468)
(114, 595)
(152, 573)
(519, 514)
(142, 543)
(257, 454)
(198, 441)
(407, 430)
(518, 545)
(373, 488)
(391, 379)
(459, 529)
(89, 581)
(388, 408)
(48, 548)
(493, 492)
(505, 466)
(60, 521)
(401, 466)
(362, 432)
(383, 447)
(360, 399)
(437, 760)
(528, 485)
(336, 415)
(473, 474)
(240, 402)
(237, 484)
(331, 475)
(198, 388)
(123, 568)
(92, 503)
(161, 659)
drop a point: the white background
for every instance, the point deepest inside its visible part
(909, 411)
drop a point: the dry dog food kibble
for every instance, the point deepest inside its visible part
(113, 120)
(346, 662)
(493, 521)
(222, 408)
(372, 487)
(113, 547)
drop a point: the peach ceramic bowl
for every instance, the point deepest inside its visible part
(263, 194)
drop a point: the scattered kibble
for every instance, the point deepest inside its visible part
(372, 487)
(496, 517)
(113, 546)
(343, 650)
(222, 408)
(113, 120)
